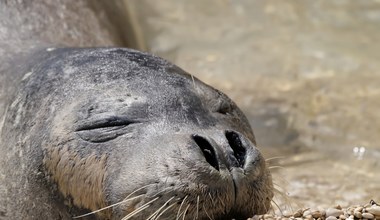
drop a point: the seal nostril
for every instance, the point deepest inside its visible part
(237, 146)
(207, 150)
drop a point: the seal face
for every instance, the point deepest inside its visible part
(120, 128)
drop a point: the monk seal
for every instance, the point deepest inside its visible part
(113, 133)
(89, 128)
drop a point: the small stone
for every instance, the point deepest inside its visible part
(323, 212)
(338, 207)
(297, 214)
(343, 217)
(331, 218)
(286, 213)
(350, 212)
(309, 217)
(316, 214)
(333, 212)
(358, 214)
(375, 210)
(358, 209)
(306, 213)
(368, 215)
(351, 217)
(299, 218)
(266, 216)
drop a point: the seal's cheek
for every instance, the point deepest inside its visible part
(79, 179)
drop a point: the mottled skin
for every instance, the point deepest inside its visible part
(81, 129)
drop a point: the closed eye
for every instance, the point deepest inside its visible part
(113, 121)
(105, 128)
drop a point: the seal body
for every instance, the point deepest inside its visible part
(95, 127)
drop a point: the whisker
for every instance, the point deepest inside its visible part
(165, 210)
(288, 200)
(162, 191)
(153, 216)
(180, 207)
(184, 212)
(279, 186)
(107, 207)
(206, 212)
(196, 217)
(130, 215)
(221, 200)
(212, 200)
(274, 158)
(278, 207)
(118, 203)
(276, 167)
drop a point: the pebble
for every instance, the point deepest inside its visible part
(357, 212)
(298, 214)
(368, 215)
(334, 212)
(316, 214)
(375, 210)
(306, 213)
(286, 213)
(358, 209)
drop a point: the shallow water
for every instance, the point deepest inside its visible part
(306, 73)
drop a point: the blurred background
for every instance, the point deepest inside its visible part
(305, 72)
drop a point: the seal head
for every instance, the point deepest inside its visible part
(117, 127)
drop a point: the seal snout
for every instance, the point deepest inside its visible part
(234, 155)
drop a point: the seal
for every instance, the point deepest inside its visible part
(113, 133)
(125, 134)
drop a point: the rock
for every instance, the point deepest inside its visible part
(316, 214)
(358, 214)
(297, 214)
(333, 212)
(375, 210)
(310, 217)
(331, 218)
(343, 217)
(306, 213)
(368, 215)
(268, 216)
(358, 209)
(287, 213)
